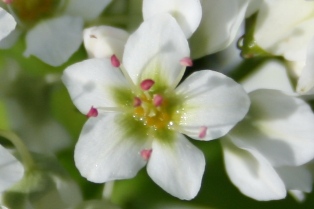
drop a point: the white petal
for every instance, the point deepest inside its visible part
(280, 127)
(177, 168)
(7, 23)
(11, 170)
(211, 100)
(91, 83)
(55, 40)
(106, 151)
(306, 80)
(220, 23)
(271, 75)
(188, 13)
(251, 173)
(282, 31)
(104, 41)
(297, 195)
(296, 178)
(154, 51)
(88, 10)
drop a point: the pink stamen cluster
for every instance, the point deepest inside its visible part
(7, 1)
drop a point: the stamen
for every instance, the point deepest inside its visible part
(145, 153)
(147, 84)
(186, 61)
(137, 102)
(203, 131)
(157, 100)
(7, 1)
(93, 112)
(115, 61)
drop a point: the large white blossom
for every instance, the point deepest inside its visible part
(282, 31)
(141, 113)
(215, 23)
(265, 153)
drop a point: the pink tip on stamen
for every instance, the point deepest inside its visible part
(93, 112)
(157, 100)
(147, 84)
(202, 133)
(137, 102)
(115, 61)
(146, 153)
(186, 61)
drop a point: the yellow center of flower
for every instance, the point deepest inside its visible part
(151, 112)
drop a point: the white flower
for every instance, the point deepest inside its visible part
(265, 152)
(7, 23)
(11, 170)
(215, 23)
(282, 31)
(53, 40)
(104, 41)
(141, 115)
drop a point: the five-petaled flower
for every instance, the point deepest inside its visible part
(140, 116)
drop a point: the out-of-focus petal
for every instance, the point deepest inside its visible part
(7, 23)
(188, 13)
(211, 100)
(55, 40)
(220, 23)
(177, 167)
(252, 173)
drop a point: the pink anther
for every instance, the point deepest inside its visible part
(93, 112)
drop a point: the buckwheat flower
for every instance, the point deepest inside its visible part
(281, 31)
(7, 23)
(265, 153)
(138, 115)
(212, 25)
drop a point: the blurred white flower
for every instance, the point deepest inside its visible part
(265, 152)
(139, 116)
(7, 23)
(104, 41)
(281, 31)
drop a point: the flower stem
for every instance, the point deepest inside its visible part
(107, 192)
(27, 159)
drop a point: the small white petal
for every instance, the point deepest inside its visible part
(55, 40)
(177, 167)
(188, 13)
(11, 170)
(252, 173)
(104, 41)
(212, 100)
(282, 31)
(88, 10)
(297, 195)
(272, 75)
(106, 150)
(280, 127)
(296, 178)
(91, 82)
(154, 51)
(7, 23)
(306, 80)
(219, 26)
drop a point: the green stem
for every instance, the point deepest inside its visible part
(27, 159)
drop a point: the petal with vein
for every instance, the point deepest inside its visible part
(252, 173)
(177, 168)
(212, 100)
(92, 82)
(154, 51)
(106, 150)
(55, 40)
(188, 13)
